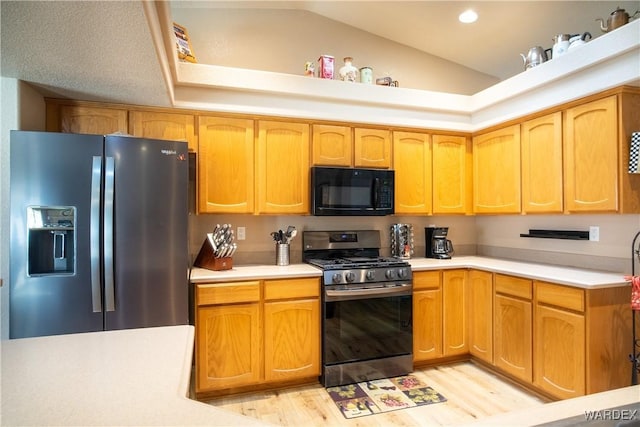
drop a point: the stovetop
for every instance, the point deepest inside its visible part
(344, 263)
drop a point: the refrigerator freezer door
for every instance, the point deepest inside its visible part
(51, 175)
(150, 246)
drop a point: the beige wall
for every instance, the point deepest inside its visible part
(500, 236)
(283, 40)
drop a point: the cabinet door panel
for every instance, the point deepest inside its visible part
(451, 174)
(332, 145)
(427, 324)
(92, 120)
(590, 157)
(282, 168)
(225, 165)
(372, 148)
(292, 339)
(481, 314)
(560, 352)
(542, 164)
(512, 336)
(496, 169)
(171, 126)
(412, 165)
(229, 346)
(454, 306)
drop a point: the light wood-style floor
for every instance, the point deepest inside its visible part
(472, 393)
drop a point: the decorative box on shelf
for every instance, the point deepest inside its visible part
(207, 259)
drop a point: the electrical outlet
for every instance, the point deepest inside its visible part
(594, 233)
(242, 233)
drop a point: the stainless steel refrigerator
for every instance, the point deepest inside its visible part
(99, 237)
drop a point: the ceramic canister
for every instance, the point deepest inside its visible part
(366, 75)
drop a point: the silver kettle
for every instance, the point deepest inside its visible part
(536, 56)
(618, 18)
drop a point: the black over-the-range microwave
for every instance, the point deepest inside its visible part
(349, 191)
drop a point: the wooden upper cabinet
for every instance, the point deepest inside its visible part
(591, 156)
(171, 126)
(542, 164)
(225, 165)
(332, 145)
(496, 169)
(82, 119)
(372, 148)
(282, 168)
(412, 165)
(452, 176)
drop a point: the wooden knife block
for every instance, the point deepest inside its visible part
(206, 259)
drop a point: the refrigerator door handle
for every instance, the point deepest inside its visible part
(109, 288)
(94, 239)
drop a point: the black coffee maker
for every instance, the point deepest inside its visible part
(436, 243)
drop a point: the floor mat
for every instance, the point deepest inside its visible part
(377, 396)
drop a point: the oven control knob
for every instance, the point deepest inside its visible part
(350, 276)
(389, 274)
(371, 275)
(402, 273)
(337, 278)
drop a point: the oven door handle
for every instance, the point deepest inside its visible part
(351, 294)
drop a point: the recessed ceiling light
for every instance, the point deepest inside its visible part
(468, 16)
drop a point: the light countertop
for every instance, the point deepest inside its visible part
(582, 278)
(129, 377)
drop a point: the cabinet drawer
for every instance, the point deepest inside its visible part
(560, 296)
(225, 293)
(291, 288)
(426, 280)
(514, 286)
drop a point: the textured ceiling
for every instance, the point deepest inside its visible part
(91, 50)
(102, 50)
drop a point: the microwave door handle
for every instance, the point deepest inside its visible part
(376, 190)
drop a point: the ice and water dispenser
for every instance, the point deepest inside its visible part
(51, 240)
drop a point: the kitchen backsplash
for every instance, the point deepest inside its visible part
(494, 236)
(259, 246)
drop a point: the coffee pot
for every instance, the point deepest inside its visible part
(618, 18)
(436, 243)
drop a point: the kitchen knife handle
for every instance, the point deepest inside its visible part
(109, 288)
(94, 234)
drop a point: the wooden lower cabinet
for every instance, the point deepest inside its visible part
(560, 356)
(454, 309)
(256, 332)
(228, 335)
(480, 289)
(292, 331)
(513, 328)
(427, 316)
(236, 329)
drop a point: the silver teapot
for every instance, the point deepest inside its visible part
(617, 19)
(536, 56)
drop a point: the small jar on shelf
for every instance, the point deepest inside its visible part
(348, 72)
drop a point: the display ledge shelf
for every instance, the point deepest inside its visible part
(605, 62)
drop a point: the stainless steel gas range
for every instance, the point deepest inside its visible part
(366, 307)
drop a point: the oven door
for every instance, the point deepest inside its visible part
(367, 324)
